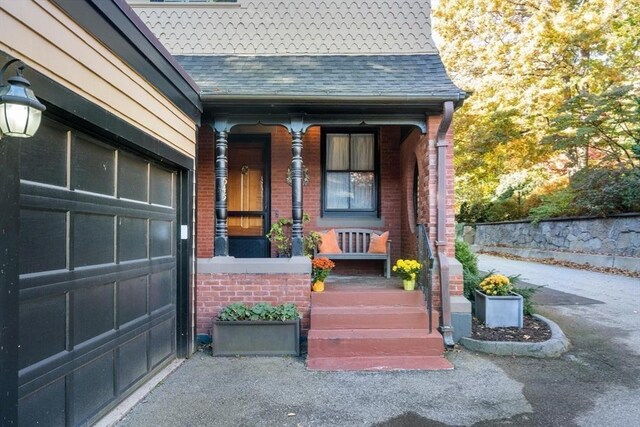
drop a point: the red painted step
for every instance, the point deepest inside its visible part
(374, 342)
(372, 328)
(371, 317)
(366, 297)
(377, 363)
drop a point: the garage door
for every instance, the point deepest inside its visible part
(97, 275)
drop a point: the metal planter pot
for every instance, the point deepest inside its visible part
(498, 312)
(256, 338)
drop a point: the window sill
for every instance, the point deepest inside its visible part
(350, 222)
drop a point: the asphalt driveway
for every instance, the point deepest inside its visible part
(596, 383)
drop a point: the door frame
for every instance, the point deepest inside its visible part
(265, 140)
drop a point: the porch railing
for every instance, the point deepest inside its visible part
(425, 280)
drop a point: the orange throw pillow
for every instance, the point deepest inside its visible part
(329, 243)
(378, 244)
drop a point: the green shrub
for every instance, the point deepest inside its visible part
(555, 205)
(471, 213)
(597, 191)
(470, 272)
(603, 191)
(260, 311)
(235, 311)
(527, 296)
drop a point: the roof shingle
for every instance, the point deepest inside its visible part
(355, 76)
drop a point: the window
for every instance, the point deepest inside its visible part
(350, 175)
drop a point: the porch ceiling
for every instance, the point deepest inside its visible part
(324, 82)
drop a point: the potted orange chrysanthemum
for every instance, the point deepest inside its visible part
(320, 269)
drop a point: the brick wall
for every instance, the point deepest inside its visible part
(429, 185)
(205, 181)
(390, 182)
(408, 162)
(215, 291)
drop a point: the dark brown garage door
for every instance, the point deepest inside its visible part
(97, 275)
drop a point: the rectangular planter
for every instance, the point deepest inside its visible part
(497, 312)
(256, 338)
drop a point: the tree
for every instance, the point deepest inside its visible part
(605, 127)
(536, 70)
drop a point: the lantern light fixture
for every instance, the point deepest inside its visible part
(20, 110)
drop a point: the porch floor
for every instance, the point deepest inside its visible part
(338, 282)
(371, 323)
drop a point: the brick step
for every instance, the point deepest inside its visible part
(376, 297)
(379, 363)
(371, 317)
(374, 342)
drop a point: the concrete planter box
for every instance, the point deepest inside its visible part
(497, 312)
(256, 338)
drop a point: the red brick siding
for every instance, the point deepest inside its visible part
(205, 190)
(390, 183)
(215, 291)
(408, 158)
(280, 161)
(430, 188)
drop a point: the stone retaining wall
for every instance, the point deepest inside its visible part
(619, 235)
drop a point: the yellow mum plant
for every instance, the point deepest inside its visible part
(408, 269)
(496, 285)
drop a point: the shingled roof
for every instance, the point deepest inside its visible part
(410, 77)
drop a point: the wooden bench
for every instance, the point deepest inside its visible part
(354, 243)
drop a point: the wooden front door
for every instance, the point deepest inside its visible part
(248, 196)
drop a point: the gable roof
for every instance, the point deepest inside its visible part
(290, 27)
(404, 78)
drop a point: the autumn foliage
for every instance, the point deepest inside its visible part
(555, 99)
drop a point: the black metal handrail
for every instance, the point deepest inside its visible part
(426, 259)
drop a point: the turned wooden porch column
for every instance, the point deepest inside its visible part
(221, 242)
(296, 194)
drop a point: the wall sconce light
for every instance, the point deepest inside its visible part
(20, 110)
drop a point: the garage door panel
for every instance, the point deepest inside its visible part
(53, 198)
(42, 240)
(43, 157)
(160, 289)
(133, 178)
(93, 239)
(161, 238)
(32, 286)
(92, 166)
(93, 312)
(132, 361)
(44, 407)
(93, 387)
(162, 342)
(131, 299)
(132, 238)
(65, 363)
(161, 186)
(43, 329)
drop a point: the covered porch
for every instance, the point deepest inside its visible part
(369, 149)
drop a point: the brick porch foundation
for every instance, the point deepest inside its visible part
(222, 281)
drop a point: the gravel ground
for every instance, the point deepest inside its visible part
(596, 383)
